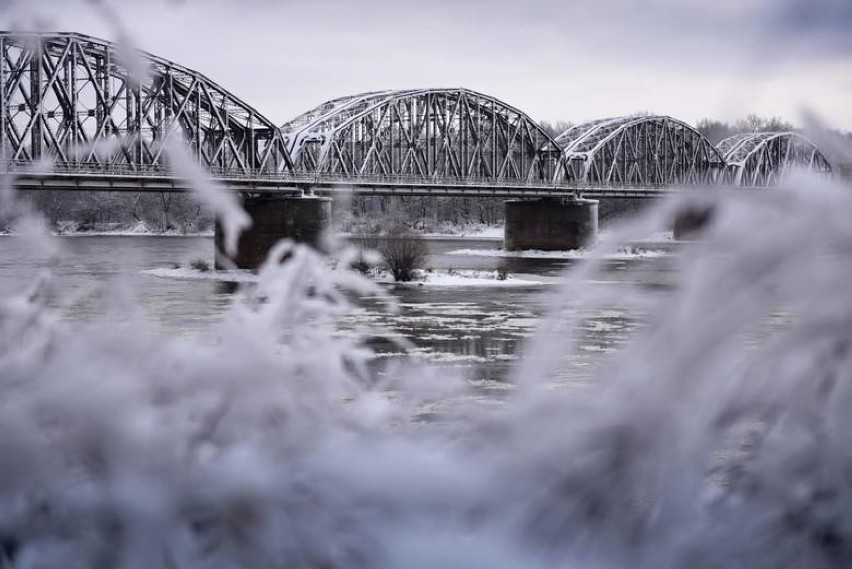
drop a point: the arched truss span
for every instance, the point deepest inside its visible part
(765, 158)
(432, 133)
(645, 151)
(65, 94)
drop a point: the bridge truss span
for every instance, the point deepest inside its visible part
(79, 100)
(645, 151)
(82, 113)
(766, 158)
(432, 133)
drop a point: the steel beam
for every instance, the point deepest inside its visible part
(68, 97)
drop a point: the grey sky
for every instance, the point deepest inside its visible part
(554, 59)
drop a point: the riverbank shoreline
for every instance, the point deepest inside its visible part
(146, 232)
(655, 245)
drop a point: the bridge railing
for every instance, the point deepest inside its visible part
(323, 178)
(47, 168)
(304, 180)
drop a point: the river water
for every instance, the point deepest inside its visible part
(478, 331)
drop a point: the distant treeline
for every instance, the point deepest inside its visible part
(714, 130)
(158, 212)
(717, 131)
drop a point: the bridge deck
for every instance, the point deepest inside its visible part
(295, 184)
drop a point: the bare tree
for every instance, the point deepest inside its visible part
(556, 128)
(715, 131)
(755, 123)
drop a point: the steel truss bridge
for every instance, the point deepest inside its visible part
(765, 158)
(80, 113)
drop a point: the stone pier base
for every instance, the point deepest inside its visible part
(302, 219)
(550, 224)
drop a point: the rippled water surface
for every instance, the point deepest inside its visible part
(478, 330)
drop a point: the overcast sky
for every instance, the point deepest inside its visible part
(570, 60)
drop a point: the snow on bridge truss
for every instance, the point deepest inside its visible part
(765, 158)
(428, 133)
(641, 151)
(89, 103)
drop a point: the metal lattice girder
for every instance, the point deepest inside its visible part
(645, 151)
(453, 133)
(65, 96)
(765, 158)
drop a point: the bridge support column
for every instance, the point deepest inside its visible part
(550, 224)
(301, 219)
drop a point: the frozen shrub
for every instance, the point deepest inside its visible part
(403, 253)
(503, 272)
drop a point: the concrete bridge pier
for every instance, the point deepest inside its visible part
(550, 224)
(302, 219)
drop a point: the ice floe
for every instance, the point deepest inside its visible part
(624, 253)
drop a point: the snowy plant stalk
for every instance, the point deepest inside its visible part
(697, 445)
(275, 446)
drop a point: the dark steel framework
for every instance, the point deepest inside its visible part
(104, 121)
(430, 133)
(71, 98)
(766, 158)
(644, 151)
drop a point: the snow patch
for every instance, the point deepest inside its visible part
(491, 232)
(188, 274)
(447, 357)
(658, 237)
(474, 232)
(625, 253)
(461, 278)
(140, 228)
(482, 232)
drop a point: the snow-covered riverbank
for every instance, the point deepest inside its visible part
(622, 253)
(454, 277)
(141, 229)
(70, 229)
(484, 233)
